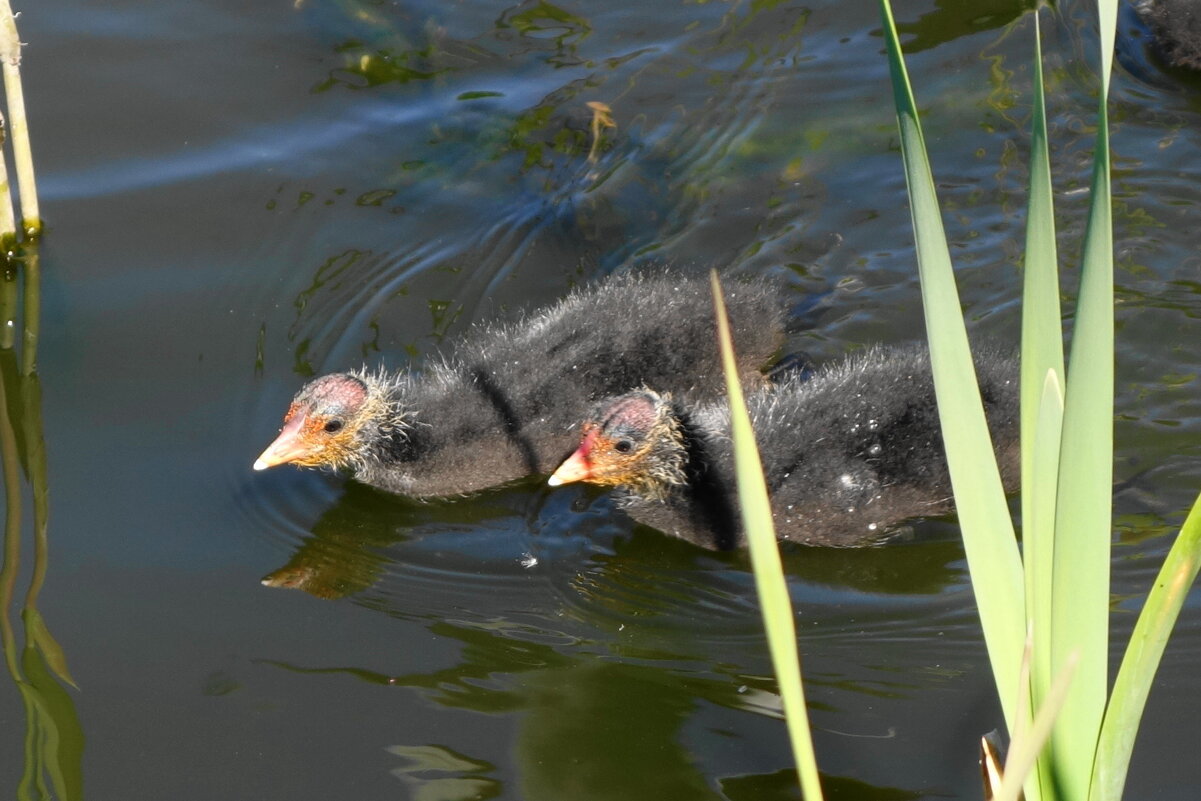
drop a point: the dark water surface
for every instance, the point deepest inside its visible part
(242, 195)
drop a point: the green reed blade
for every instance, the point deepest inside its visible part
(1025, 749)
(1107, 22)
(1038, 537)
(1042, 373)
(1142, 657)
(1080, 596)
(765, 559)
(988, 537)
(1042, 377)
(1018, 735)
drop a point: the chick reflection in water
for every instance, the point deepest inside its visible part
(360, 539)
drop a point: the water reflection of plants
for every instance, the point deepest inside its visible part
(38, 666)
(592, 725)
(547, 126)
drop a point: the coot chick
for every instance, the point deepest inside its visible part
(1176, 25)
(847, 454)
(502, 405)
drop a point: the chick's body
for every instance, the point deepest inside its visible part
(847, 454)
(503, 403)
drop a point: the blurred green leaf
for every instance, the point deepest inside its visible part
(765, 559)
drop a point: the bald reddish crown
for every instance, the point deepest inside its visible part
(341, 394)
(632, 414)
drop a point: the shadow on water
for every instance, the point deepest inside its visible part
(53, 737)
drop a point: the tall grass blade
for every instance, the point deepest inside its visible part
(1042, 378)
(1022, 723)
(1042, 374)
(1080, 596)
(1142, 657)
(1025, 749)
(1107, 25)
(988, 537)
(765, 559)
(1038, 541)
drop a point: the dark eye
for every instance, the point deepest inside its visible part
(623, 446)
(333, 426)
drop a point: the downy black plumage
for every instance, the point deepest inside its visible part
(502, 404)
(847, 453)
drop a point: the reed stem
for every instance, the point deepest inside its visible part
(10, 65)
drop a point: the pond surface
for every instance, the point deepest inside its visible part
(239, 196)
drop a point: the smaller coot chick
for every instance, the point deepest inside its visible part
(847, 453)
